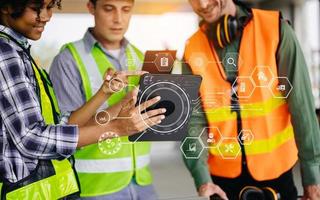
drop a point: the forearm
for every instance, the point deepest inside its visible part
(113, 112)
(91, 134)
(292, 65)
(87, 112)
(307, 138)
(198, 167)
(124, 127)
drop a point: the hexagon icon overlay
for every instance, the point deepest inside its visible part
(243, 87)
(199, 60)
(229, 148)
(262, 76)
(284, 88)
(232, 62)
(164, 62)
(192, 147)
(213, 137)
(245, 137)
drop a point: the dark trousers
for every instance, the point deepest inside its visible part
(232, 186)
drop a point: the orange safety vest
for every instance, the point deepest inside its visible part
(264, 112)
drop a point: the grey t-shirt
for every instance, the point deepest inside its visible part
(66, 78)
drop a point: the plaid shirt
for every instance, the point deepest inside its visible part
(24, 136)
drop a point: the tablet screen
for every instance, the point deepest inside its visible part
(178, 96)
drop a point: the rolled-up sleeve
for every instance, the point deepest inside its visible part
(21, 114)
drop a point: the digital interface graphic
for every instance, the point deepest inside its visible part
(260, 79)
(177, 93)
(109, 143)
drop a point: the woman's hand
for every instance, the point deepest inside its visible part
(117, 81)
(114, 110)
(130, 119)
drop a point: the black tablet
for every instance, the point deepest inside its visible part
(177, 92)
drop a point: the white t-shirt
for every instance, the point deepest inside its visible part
(115, 53)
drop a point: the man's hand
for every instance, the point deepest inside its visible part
(311, 192)
(209, 189)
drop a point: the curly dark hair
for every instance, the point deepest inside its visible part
(93, 2)
(20, 5)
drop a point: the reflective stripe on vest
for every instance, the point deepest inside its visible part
(110, 173)
(264, 112)
(63, 183)
(60, 185)
(111, 165)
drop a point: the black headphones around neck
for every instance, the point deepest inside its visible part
(255, 193)
(224, 31)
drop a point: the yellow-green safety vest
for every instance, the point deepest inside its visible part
(100, 173)
(64, 182)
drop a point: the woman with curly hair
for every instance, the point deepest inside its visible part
(35, 140)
